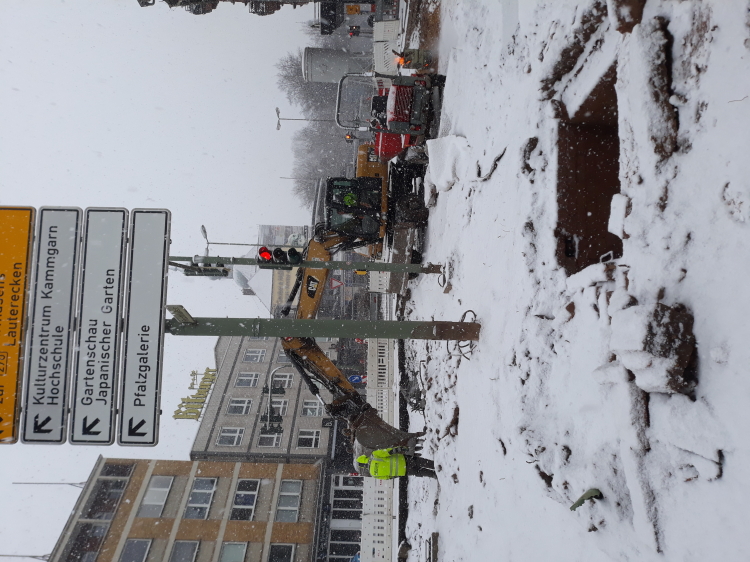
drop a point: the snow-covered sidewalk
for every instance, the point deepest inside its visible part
(558, 397)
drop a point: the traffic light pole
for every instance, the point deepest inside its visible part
(354, 265)
(262, 327)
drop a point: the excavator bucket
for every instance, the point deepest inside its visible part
(371, 432)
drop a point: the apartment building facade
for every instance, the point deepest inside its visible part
(260, 410)
(359, 511)
(192, 511)
(378, 521)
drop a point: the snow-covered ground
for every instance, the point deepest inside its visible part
(556, 398)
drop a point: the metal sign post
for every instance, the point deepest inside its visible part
(350, 265)
(99, 326)
(143, 339)
(16, 237)
(51, 332)
(261, 327)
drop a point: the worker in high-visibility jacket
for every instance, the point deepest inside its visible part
(385, 464)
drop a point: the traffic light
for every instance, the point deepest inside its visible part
(264, 255)
(278, 257)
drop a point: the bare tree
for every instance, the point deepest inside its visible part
(319, 148)
(320, 151)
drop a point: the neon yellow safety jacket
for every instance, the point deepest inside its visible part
(384, 465)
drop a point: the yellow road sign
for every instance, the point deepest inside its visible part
(16, 236)
(352, 9)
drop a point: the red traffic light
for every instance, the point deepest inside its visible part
(265, 255)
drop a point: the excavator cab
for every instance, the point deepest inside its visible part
(354, 207)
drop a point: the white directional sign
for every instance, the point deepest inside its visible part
(99, 326)
(51, 332)
(143, 339)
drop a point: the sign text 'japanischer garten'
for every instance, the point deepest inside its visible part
(99, 327)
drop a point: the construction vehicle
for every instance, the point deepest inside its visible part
(364, 424)
(396, 109)
(382, 195)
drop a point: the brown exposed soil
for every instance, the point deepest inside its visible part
(544, 476)
(424, 16)
(588, 177)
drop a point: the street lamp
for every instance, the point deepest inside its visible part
(270, 412)
(280, 119)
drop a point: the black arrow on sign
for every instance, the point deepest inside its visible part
(39, 427)
(87, 427)
(133, 429)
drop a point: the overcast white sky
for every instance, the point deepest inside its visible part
(110, 104)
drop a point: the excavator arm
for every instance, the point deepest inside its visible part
(313, 365)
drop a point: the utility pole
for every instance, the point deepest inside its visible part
(186, 325)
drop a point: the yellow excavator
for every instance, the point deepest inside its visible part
(350, 223)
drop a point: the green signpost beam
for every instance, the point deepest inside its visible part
(355, 265)
(261, 327)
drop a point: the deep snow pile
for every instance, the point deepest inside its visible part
(559, 395)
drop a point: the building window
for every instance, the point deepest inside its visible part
(282, 380)
(233, 552)
(230, 436)
(287, 510)
(84, 542)
(312, 408)
(254, 355)
(118, 470)
(308, 438)
(280, 406)
(347, 501)
(184, 551)
(239, 406)
(245, 497)
(200, 498)
(270, 440)
(247, 379)
(283, 358)
(343, 544)
(281, 553)
(347, 497)
(104, 498)
(135, 550)
(155, 496)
